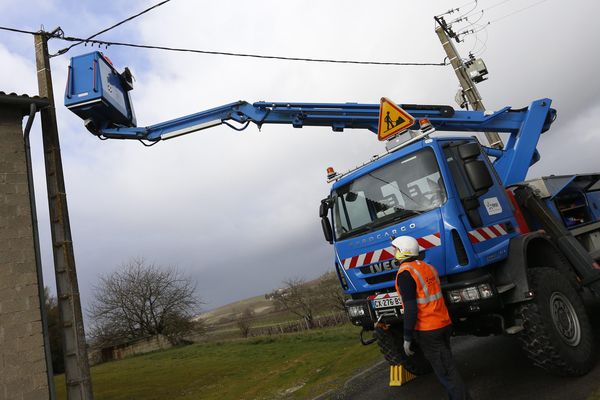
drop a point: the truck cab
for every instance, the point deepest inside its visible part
(444, 193)
(503, 254)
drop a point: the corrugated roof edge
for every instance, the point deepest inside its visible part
(22, 102)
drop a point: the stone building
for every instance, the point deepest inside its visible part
(129, 348)
(23, 369)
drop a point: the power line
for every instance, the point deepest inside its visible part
(488, 23)
(463, 16)
(517, 11)
(5, 28)
(453, 10)
(63, 51)
(481, 13)
(262, 56)
(466, 28)
(222, 53)
(476, 52)
(495, 5)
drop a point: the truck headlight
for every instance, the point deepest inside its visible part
(356, 311)
(485, 290)
(482, 291)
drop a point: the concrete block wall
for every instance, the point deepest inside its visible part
(142, 346)
(22, 359)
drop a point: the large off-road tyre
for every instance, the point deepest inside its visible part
(390, 343)
(557, 334)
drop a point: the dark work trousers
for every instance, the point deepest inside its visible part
(436, 348)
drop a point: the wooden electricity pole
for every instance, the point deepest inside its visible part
(77, 369)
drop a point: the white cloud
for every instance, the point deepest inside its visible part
(18, 74)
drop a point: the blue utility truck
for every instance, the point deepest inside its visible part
(514, 256)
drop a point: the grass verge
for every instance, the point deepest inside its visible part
(294, 366)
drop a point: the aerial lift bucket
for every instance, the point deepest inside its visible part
(98, 93)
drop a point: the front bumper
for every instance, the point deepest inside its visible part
(464, 299)
(362, 313)
(471, 297)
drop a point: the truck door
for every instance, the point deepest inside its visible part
(487, 215)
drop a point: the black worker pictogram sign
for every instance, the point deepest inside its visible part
(392, 119)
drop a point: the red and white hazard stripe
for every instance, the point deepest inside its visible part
(489, 232)
(429, 241)
(382, 296)
(426, 242)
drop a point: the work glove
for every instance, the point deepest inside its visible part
(407, 349)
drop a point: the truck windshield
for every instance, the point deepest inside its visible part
(408, 186)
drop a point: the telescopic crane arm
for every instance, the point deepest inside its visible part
(99, 94)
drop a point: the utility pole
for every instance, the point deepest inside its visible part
(77, 369)
(445, 35)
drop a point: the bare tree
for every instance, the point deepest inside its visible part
(331, 291)
(140, 300)
(298, 298)
(244, 321)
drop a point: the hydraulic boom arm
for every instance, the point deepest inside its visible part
(100, 95)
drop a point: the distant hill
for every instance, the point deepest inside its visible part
(258, 304)
(223, 321)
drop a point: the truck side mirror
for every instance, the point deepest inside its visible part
(323, 208)
(478, 175)
(469, 151)
(477, 172)
(327, 231)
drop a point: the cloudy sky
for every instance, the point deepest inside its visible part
(238, 211)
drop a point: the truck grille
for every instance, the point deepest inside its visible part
(389, 277)
(384, 313)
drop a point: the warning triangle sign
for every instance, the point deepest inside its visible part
(392, 119)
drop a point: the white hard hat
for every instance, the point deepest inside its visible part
(407, 246)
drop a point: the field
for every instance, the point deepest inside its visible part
(294, 366)
(221, 322)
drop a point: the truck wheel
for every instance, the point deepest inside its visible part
(557, 334)
(390, 343)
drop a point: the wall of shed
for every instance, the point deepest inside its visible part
(22, 359)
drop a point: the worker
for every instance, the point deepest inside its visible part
(426, 318)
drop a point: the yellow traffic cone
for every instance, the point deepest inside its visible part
(399, 376)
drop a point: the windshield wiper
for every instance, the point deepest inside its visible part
(396, 217)
(377, 223)
(356, 231)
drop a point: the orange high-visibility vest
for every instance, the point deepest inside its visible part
(431, 309)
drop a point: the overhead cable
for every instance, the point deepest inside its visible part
(517, 11)
(223, 53)
(495, 5)
(5, 28)
(462, 16)
(262, 56)
(488, 23)
(453, 10)
(63, 51)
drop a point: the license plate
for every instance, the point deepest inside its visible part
(389, 302)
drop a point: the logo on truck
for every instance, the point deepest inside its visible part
(384, 235)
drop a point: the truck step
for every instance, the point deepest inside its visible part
(513, 330)
(505, 288)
